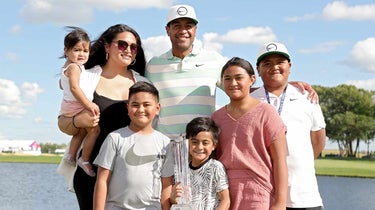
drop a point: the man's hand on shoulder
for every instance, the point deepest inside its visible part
(303, 86)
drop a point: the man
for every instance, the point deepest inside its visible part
(186, 76)
(304, 120)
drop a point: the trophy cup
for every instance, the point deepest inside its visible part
(181, 165)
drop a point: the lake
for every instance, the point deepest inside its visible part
(25, 186)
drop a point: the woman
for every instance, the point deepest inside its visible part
(119, 53)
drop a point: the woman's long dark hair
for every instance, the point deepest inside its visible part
(98, 53)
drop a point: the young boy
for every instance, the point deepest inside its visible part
(131, 169)
(208, 179)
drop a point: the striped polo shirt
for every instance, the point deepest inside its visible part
(186, 86)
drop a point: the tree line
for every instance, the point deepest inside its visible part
(50, 148)
(349, 113)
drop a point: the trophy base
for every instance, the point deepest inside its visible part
(182, 207)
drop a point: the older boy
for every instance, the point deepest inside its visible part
(132, 173)
(304, 121)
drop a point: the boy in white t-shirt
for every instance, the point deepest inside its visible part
(132, 173)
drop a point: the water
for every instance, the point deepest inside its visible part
(347, 193)
(26, 186)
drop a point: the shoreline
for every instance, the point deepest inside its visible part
(334, 167)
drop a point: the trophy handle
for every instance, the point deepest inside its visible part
(181, 160)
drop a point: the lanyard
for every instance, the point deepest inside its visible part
(281, 100)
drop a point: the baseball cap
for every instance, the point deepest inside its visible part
(270, 48)
(181, 11)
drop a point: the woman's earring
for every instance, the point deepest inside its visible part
(106, 56)
(133, 62)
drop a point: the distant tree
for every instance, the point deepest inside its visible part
(349, 115)
(51, 147)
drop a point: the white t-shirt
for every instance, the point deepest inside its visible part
(206, 181)
(137, 163)
(300, 117)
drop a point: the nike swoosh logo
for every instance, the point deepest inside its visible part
(292, 99)
(134, 160)
(198, 65)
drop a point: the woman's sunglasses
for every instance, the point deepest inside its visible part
(123, 45)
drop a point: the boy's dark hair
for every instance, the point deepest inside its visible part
(75, 35)
(142, 86)
(200, 124)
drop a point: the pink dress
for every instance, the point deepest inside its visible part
(244, 150)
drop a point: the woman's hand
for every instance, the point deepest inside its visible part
(86, 119)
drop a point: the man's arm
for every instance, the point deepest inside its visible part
(303, 86)
(318, 141)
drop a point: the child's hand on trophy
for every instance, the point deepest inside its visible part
(176, 193)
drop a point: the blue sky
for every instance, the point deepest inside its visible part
(330, 42)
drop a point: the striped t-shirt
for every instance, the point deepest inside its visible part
(186, 86)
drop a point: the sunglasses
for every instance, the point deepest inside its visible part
(123, 45)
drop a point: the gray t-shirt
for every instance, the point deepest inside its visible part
(137, 163)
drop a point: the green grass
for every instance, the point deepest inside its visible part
(10, 158)
(345, 167)
(323, 166)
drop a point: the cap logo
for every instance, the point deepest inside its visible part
(271, 47)
(182, 11)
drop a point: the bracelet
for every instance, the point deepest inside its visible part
(73, 122)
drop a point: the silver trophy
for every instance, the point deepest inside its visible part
(181, 167)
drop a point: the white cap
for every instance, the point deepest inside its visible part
(181, 11)
(272, 48)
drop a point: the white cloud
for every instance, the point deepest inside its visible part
(338, 10)
(210, 43)
(362, 55)
(365, 84)
(321, 48)
(30, 91)
(304, 17)
(67, 12)
(156, 45)
(73, 12)
(249, 35)
(14, 100)
(9, 92)
(116, 5)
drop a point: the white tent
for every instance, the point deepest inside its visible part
(20, 146)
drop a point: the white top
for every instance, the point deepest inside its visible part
(137, 163)
(206, 182)
(87, 82)
(300, 117)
